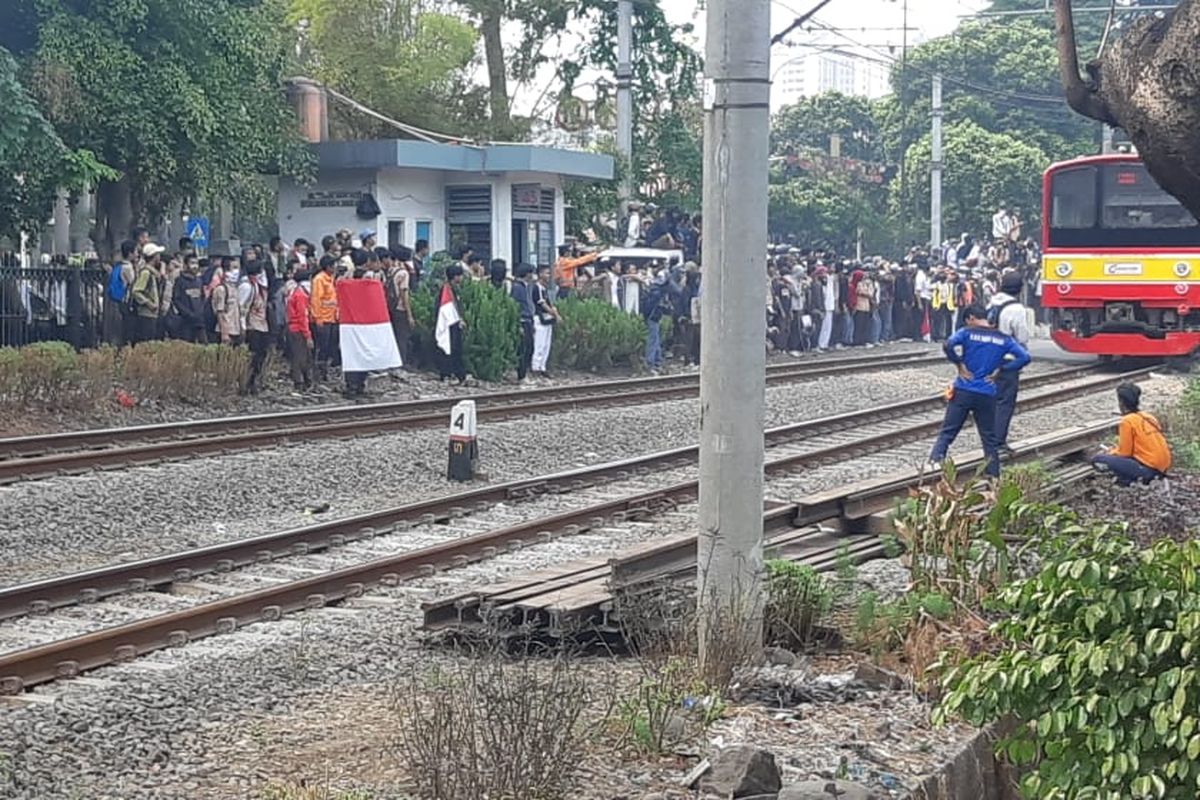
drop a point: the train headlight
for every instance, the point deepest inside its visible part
(1063, 270)
(1183, 269)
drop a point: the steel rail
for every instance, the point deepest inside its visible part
(31, 457)
(41, 596)
(70, 657)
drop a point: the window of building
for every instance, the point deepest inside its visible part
(469, 219)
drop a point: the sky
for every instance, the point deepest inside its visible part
(928, 18)
(932, 17)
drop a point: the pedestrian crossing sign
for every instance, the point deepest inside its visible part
(197, 231)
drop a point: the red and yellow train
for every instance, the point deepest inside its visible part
(1121, 269)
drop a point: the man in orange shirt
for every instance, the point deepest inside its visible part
(324, 309)
(1142, 453)
(568, 264)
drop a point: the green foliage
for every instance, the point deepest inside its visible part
(826, 210)
(882, 627)
(177, 113)
(399, 58)
(797, 599)
(811, 123)
(983, 170)
(1099, 668)
(1183, 427)
(668, 148)
(595, 335)
(493, 328)
(31, 149)
(666, 702)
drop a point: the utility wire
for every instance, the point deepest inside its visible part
(796, 23)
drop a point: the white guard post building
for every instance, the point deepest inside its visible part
(502, 200)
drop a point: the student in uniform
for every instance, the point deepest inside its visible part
(980, 353)
(1142, 453)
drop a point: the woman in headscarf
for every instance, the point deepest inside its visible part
(862, 289)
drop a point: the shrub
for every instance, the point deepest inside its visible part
(1100, 663)
(181, 371)
(797, 600)
(1182, 423)
(595, 335)
(493, 330)
(496, 725)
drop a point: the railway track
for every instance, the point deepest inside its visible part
(872, 430)
(74, 452)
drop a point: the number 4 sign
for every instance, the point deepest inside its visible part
(464, 450)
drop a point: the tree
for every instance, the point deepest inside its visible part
(394, 57)
(813, 121)
(983, 170)
(539, 21)
(34, 162)
(1147, 83)
(668, 145)
(825, 211)
(179, 97)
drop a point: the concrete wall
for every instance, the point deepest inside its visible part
(406, 195)
(301, 213)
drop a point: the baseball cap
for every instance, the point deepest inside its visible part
(150, 249)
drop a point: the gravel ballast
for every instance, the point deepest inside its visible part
(135, 513)
(186, 723)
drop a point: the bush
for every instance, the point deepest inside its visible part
(493, 330)
(52, 376)
(496, 726)
(1101, 664)
(185, 372)
(595, 335)
(1183, 427)
(797, 600)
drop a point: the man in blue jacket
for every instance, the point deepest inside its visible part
(981, 353)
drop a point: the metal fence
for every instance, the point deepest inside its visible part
(53, 303)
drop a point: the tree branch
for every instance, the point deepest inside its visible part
(1082, 97)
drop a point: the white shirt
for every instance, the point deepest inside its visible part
(634, 230)
(921, 284)
(1013, 320)
(1002, 225)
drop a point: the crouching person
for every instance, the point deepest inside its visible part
(1142, 453)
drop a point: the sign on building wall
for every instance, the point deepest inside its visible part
(331, 199)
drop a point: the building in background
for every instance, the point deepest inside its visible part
(806, 74)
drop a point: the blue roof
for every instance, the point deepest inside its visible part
(379, 153)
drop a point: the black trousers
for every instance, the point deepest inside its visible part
(300, 358)
(525, 349)
(260, 344)
(452, 365)
(326, 346)
(145, 329)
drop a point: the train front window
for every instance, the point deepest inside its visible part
(1131, 199)
(1074, 199)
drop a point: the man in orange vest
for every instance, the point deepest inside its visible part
(324, 309)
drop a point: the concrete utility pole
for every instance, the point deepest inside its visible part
(732, 375)
(625, 106)
(935, 173)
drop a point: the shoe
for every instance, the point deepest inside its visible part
(1006, 452)
(794, 353)
(932, 466)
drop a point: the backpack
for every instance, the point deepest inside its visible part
(116, 284)
(993, 316)
(389, 290)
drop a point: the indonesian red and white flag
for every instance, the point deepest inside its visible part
(365, 330)
(447, 318)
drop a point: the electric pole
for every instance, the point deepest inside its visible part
(935, 173)
(737, 91)
(904, 116)
(624, 108)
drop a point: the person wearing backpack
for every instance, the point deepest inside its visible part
(1008, 316)
(147, 294)
(117, 322)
